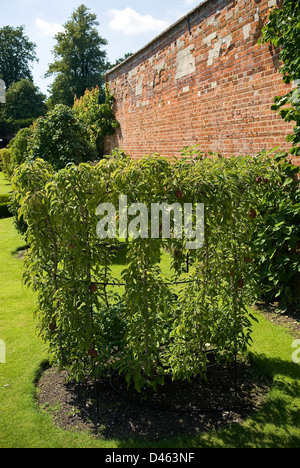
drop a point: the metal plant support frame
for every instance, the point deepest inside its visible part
(155, 407)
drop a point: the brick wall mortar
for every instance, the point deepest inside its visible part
(207, 82)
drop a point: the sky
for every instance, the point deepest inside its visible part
(127, 25)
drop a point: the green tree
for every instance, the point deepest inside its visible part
(60, 138)
(283, 31)
(24, 101)
(17, 52)
(80, 61)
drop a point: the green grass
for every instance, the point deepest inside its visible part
(5, 186)
(276, 424)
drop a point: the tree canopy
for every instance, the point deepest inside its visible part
(23, 101)
(60, 138)
(80, 61)
(17, 52)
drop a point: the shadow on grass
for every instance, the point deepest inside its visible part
(275, 425)
(22, 248)
(120, 254)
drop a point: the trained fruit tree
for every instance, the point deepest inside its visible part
(147, 331)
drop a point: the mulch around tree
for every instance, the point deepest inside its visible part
(178, 408)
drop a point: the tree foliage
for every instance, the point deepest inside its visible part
(23, 101)
(20, 147)
(60, 139)
(277, 240)
(5, 160)
(79, 58)
(16, 152)
(99, 119)
(283, 31)
(17, 52)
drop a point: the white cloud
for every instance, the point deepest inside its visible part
(191, 3)
(49, 29)
(130, 21)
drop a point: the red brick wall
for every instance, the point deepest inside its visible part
(204, 81)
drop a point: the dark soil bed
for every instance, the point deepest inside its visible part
(178, 408)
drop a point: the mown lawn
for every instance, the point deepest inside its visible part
(276, 424)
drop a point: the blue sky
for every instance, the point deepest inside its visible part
(127, 24)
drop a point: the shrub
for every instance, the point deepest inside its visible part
(99, 119)
(10, 127)
(6, 162)
(60, 139)
(16, 152)
(20, 146)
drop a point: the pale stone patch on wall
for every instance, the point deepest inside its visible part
(139, 87)
(213, 21)
(229, 15)
(214, 53)
(160, 66)
(185, 62)
(227, 40)
(208, 39)
(132, 73)
(180, 44)
(246, 30)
